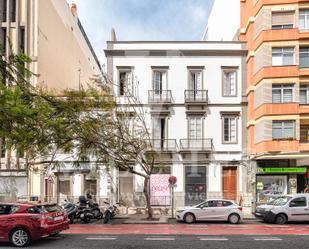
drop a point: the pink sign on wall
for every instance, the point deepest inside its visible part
(159, 190)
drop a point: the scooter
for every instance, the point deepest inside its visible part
(71, 210)
(110, 212)
(84, 212)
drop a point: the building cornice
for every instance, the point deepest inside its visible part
(175, 52)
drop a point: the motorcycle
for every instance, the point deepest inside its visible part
(88, 210)
(71, 210)
(110, 212)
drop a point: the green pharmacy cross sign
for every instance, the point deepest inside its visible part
(283, 170)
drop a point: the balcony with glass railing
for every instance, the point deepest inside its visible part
(203, 144)
(196, 96)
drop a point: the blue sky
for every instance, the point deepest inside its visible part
(142, 19)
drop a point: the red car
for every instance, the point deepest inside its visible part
(20, 223)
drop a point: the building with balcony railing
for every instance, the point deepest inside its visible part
(276, 32)
(193, 95)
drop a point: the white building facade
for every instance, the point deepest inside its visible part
(194, 95)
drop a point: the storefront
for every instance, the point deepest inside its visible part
(195, 184)
(279, 181)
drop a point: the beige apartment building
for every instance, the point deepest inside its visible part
(51, 34)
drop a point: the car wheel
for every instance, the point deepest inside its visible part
(234, 219)
(281, 219)
(20, 237)
(189, 218)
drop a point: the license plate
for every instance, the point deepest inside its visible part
(58, 218)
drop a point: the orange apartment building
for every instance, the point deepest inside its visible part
(277, 35)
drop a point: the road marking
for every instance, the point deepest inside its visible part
(267, 239)
(213, 239)
(101, 238)
(160, 238)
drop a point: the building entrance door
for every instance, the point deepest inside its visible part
(229, 183)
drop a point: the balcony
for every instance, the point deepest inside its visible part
(196, 96)
(164, 145)
(197, 145)
(160, 97)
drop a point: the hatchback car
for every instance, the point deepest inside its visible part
(20, 223)
(211, 210)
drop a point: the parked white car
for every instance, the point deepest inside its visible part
(285, 208)
(211, 210)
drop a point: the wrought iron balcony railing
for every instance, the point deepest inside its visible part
(160, 96)
(164, 144)
(196, 96)
(203, 144)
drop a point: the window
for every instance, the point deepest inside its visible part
(229, 129)
(283, 129)
(303, 19)
(283, 56)
(159, 130)
(304, 94)
(34, 210)
(304, 57)
(298, 202)
(304, 133)
(282, 93)
(270, 185)
(125, 83)
(229, 83)
(8, 209)
(159, 81)
(3, 39)
(13, 10)
(195, 127)
(4, 6)
(195, 82)
(2, 147)
(282, 20)
(195, 184)
(22, 39)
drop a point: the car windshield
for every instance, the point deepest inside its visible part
(280, 201)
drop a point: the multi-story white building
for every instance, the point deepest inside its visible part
(194, 95)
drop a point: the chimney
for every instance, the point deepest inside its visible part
(113, 35)
(74, 9)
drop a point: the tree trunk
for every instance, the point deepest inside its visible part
(147, 196)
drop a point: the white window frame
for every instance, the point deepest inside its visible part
(304, 13)
(163, 85)
(304, 88)
(232, 91)
(303, 53)
(279, 53)
(193, 123)
(284, 25)
(282, 88)
(284, 125)
(128, 87)
(231, 139)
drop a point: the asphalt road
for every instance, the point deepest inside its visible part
(170, 242)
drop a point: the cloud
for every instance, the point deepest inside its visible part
(142, 20)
